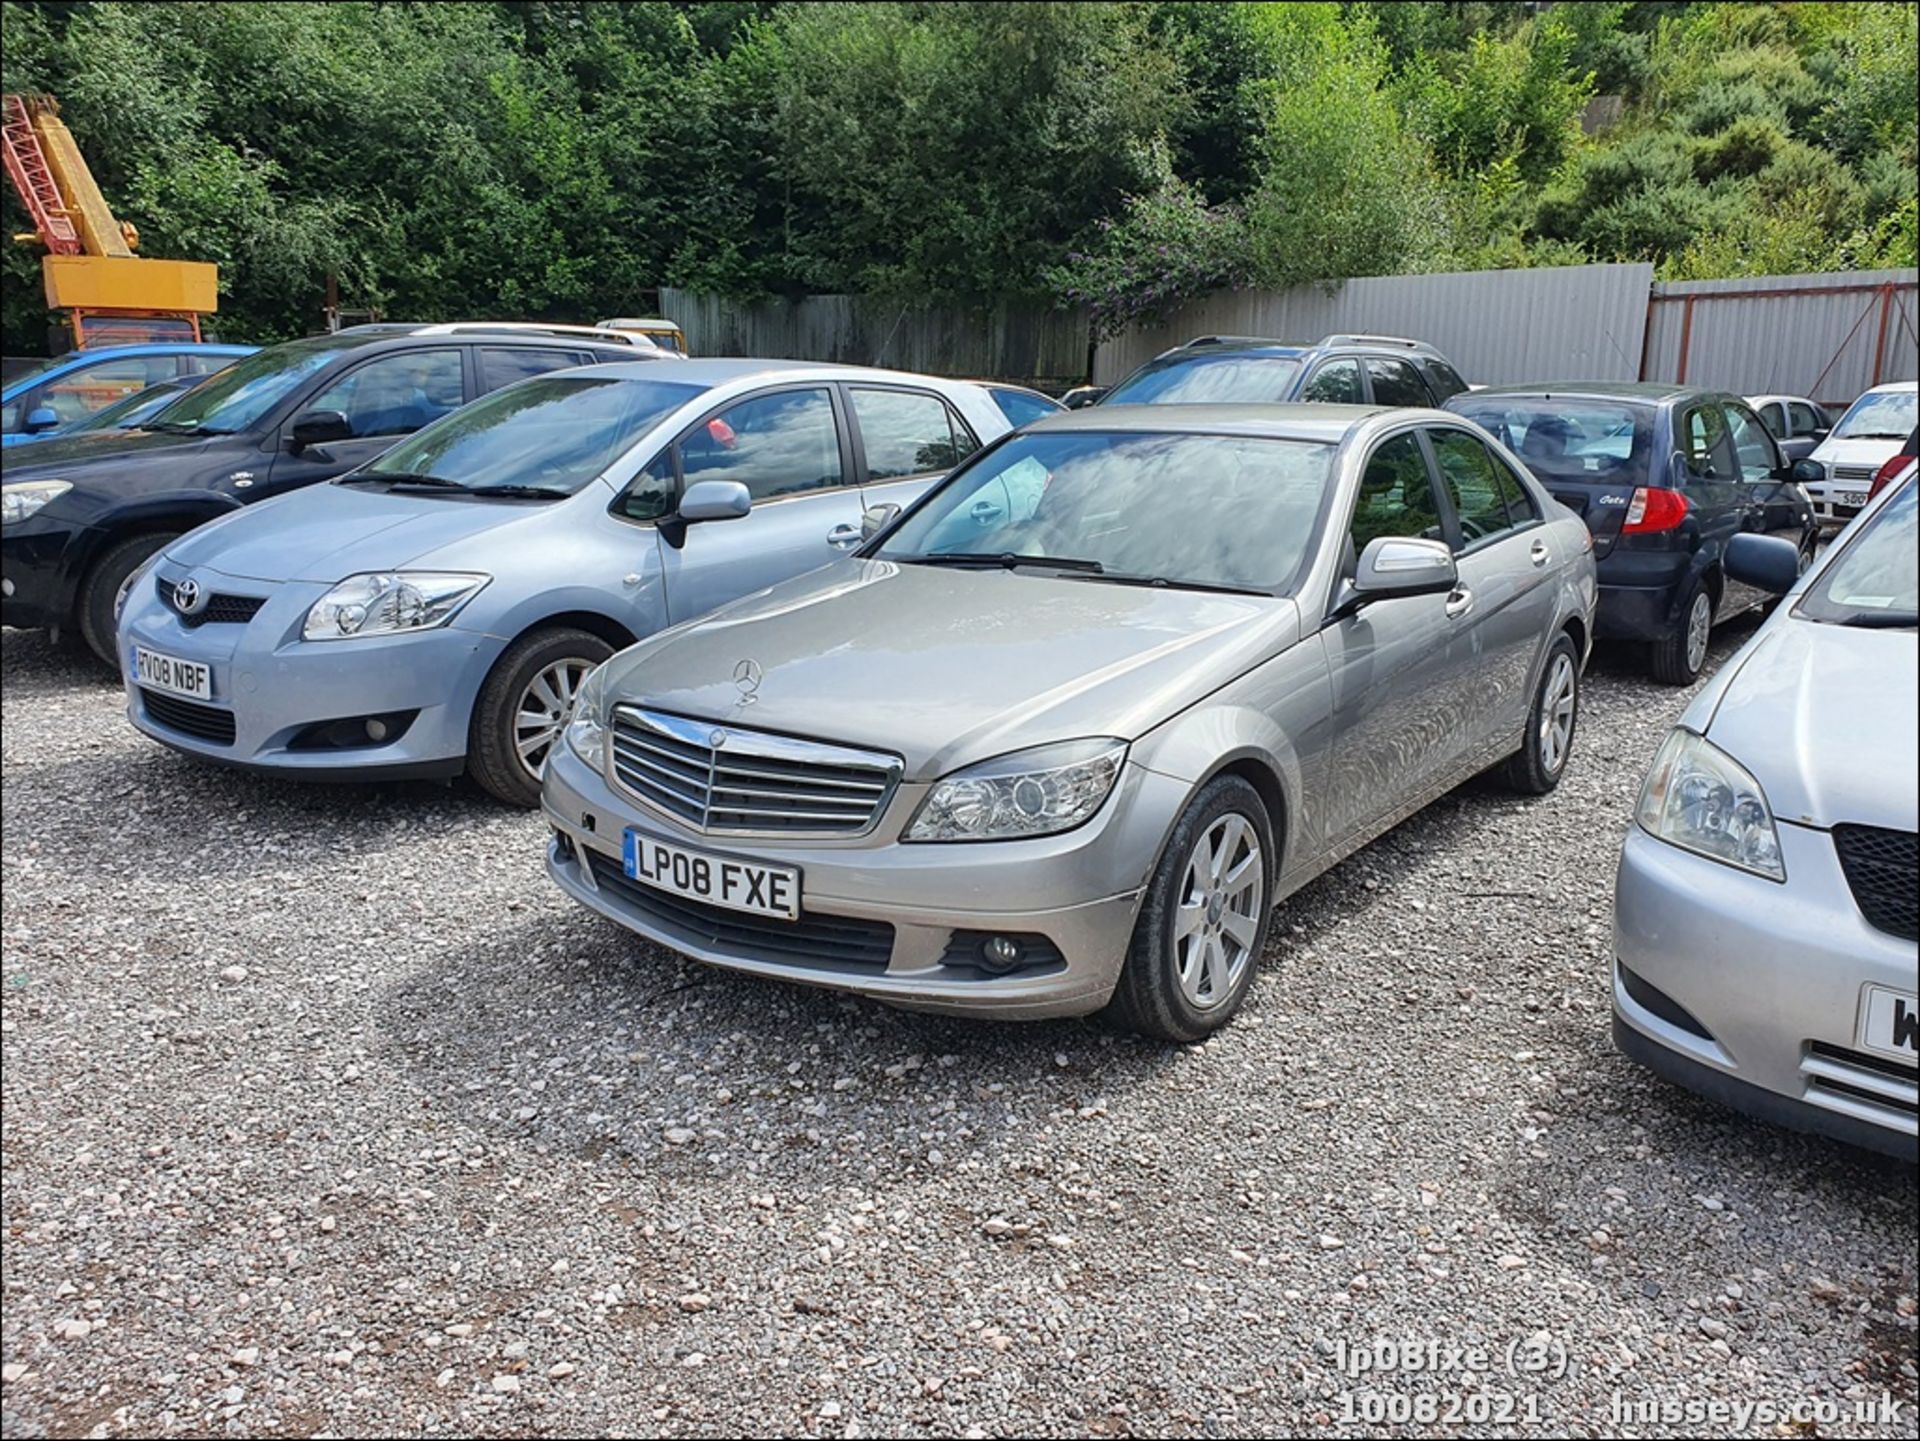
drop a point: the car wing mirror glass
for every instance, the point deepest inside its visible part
(876, 519)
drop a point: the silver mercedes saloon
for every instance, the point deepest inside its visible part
(1062, 735)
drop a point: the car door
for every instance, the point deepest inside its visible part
(383, 398)
(1708, 473)
(1394, 708)
(903, 440)
(788, 445)
(1394, 382)
(1505, 601)
(1775, 503)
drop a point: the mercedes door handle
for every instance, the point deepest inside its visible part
(1538, 555)
(842, 536)
(1459, 603)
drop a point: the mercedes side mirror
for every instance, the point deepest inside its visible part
(1766, 562)
(876, 519)
(319, 427)
(41, 417)
(714, 500)
(1393, 566)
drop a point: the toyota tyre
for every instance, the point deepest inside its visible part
(523, 708)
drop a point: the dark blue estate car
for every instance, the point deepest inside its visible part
(1664, 477)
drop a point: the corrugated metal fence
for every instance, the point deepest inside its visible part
(1584, 322)
(1030, 344)
(1827, 336)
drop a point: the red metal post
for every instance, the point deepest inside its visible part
(1880, 341)
(1686, 336)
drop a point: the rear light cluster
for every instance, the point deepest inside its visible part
(1888, 473)
(1654, 509)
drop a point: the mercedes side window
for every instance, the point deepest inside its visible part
(1757, 456)
(906, 432)
(1336, 383)
(396, 394)
(782, 443)
(1396, 495)
(1396, 383)
(1473, 484)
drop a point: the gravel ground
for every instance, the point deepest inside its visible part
(325, 1113)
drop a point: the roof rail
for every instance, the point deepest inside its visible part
(1378, 340)
(1202, 340)
(535, 327)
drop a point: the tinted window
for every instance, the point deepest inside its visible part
(905, 432)
(1773, 415)
(1705, 444)
(555, 432)
(1750, 444)
(1336, 383)
(1206, 509)
(1590, 441)
(1395, 383)
(1021, 406)
(396, 394)
(502, 365)
(1474, 484)
(775, 444)
(1207, 379)
(1807, 419)
(1396, 495)
(1443, 378)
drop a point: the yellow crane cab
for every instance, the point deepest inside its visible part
(663, 333)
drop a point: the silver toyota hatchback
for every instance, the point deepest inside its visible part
(1061, 736)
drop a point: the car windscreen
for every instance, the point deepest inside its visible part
(1875, 581)
(552, 433)
(1219, 379)
(246, 390)
(1209, 510)
(1882, 415)
(1583, 441)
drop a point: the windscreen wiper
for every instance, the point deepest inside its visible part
(1883, 620)
(523, 492)
(401, 477)
(1006, 560)
(1174, 582)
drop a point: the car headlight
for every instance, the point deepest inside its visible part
(26, 497)
(1701, 799)
(389, 603)
(586, 731)
(1028, 793)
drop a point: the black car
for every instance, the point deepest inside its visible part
(1664, 477)
(83, 514)
(1236, 369)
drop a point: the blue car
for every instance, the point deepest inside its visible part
(60, 394)
(435, 610)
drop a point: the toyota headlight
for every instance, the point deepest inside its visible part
(586, 731)
(1701, 799)
(389, 603)
(27, 497)
(1029, 793)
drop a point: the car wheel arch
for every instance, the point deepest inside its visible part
(1258, 766)
(594, 623)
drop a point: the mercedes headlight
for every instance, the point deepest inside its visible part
(27, 497)
(390, 603)
(1029, 793)
(586, 729)
(1701, 799)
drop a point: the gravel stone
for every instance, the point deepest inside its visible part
(531, 1127)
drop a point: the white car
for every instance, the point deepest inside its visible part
(1797, 424)
(1867, 437)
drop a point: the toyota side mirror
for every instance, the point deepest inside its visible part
(714, 500)
(319, 427)
(876, 519)
(1767, 562)
(41, 418)
(1404, 565)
